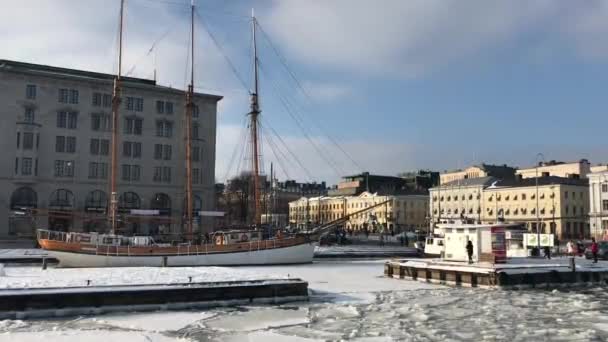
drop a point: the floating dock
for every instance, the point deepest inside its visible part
(524, 273)
(68, 301)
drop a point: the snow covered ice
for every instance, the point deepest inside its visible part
(352, 301)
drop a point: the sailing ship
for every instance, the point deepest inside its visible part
(240, 247)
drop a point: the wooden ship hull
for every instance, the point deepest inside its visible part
(292, 250)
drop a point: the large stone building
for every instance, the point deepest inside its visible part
(415, 182)
(56, 133)
(562, 203)
(578, 169)
(598, 204)
(460, 198)
(403, 212)
(478, 171)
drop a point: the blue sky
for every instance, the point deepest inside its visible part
(402, 85)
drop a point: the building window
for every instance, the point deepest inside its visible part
(36, 167)
(101, 122)
(62, 119)
(73, 96)
(195, 131)
(72, 120)
(133, 125)
(30, 92)
(98, 170)
(135, 104)
(63, 95)
(131, 172)
(196, 151)
(195, 111)
(195, 176)
(28, 140)
(94, 146)
(162, 174)
(70, 145)
(604, 187)
(59, 144)
(18, 138)
(604, 205)
(107, 100)
(160, 107)
(169, 108)
(28, 116)
(97, 99)
(26, 166)
(158, 151)
(16, 165)
(64, 168)
(167, 152)
(164, 128)
(131, 149)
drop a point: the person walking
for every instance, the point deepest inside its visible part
(594, 250)
(470, 251)
(570, 248)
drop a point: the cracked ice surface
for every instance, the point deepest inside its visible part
(351, 301)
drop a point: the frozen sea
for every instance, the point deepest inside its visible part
(352, 301)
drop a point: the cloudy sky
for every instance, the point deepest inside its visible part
(351, 85)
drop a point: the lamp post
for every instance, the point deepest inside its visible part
(538, 156)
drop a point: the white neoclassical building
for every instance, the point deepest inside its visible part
(598, 206)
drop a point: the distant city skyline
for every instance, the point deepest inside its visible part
(403, 86)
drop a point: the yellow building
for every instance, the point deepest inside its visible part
(478, 171)
(578, 169)
(563, 205)
(403, 212)
(459, 199)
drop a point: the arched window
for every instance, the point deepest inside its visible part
(162, 203)
(128, 201)
(24, 197)
(96, 199)
(62, 198)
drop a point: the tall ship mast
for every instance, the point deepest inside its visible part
(235, 247)
(253, 125)
(188, 128)
(114, 143)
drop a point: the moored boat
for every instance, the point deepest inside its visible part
(106, 250)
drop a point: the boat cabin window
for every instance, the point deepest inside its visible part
(448, 230)
(111, 241)
(234, 236)
(429, 241)
(254, 235)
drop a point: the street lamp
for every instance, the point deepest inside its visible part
(538, 156)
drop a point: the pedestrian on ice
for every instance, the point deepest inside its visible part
(470, 251)
(594, 250)
(570, 248)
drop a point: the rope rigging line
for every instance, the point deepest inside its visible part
(287, 107)
(222, 52)
(293, 76)
(240, 142)
(274, 152)
(132, 69)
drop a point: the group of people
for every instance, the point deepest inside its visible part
(574, 249)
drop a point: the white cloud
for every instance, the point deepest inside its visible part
(326, 92)
(410, 38)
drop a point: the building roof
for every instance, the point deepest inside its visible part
(480, 181)
(53, 71)
(547, 180)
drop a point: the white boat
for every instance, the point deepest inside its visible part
(100, 250)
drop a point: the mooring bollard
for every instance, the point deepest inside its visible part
(190, 279)
(165, 261)
(44, 263)
(88, 282)
(572, 265)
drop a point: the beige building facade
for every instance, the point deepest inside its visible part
(598, 204)
(478, 171)
(562, 204)
(578, 169)
(403, 212)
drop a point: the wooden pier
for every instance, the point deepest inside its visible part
(518, 275)
(68, 301)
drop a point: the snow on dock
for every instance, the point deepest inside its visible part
(31, 292)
